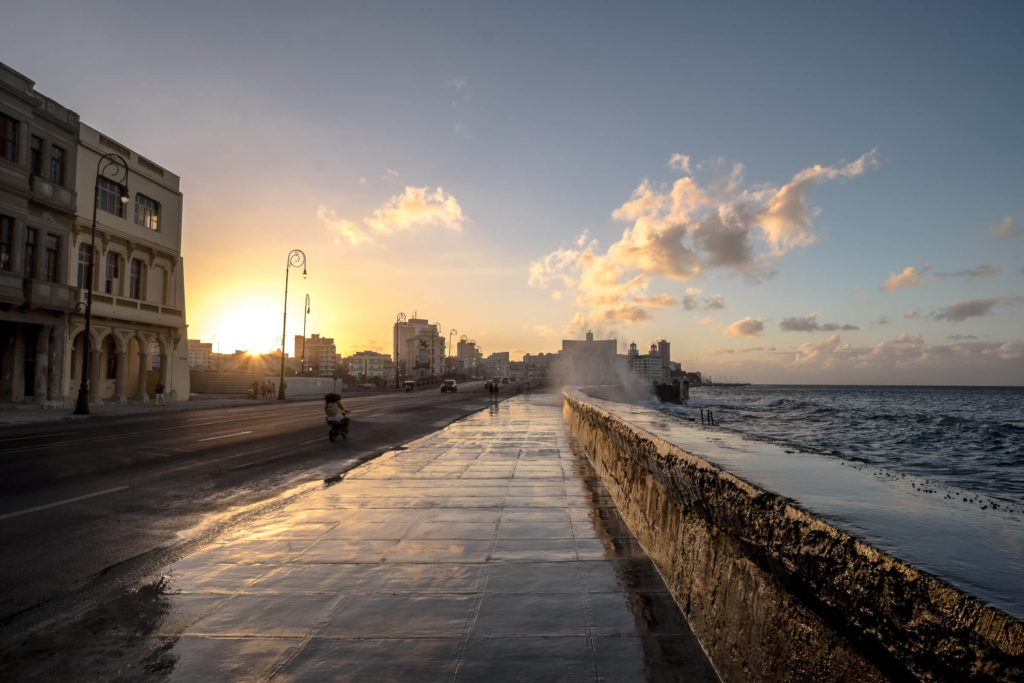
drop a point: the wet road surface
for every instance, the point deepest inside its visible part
(98, 500)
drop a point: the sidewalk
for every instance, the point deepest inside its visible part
(487, 551)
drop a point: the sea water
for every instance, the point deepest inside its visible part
(969, 438)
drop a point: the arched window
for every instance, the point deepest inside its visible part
(84, 262)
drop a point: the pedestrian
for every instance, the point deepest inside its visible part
(158, 392)
(254, 390)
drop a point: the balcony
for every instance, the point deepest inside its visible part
(49, 296)
(51, 194)
(143, 312)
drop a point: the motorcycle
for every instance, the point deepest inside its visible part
(337, 427)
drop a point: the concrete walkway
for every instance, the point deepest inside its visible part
(488, 551)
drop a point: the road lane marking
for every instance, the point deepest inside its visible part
(224, 436)
(62, 502)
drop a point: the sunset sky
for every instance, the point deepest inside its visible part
(788, 192)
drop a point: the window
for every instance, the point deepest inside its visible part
(84, 265)
(35, 158)
(8, 138)
(6, 241)
(109, 196)
(113, 272)
(135, 279)
(56, 165)
(147, 212)
(30, 252)
(52, 257)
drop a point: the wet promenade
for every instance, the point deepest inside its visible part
(486, 551)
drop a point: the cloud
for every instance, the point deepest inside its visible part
(910, 277)
(973, 273)
(961, 337)
(680, 162)
(748, 327)
(416, 208)
(787, 222)
(544, 330)
(463, 130)
(809, 323)
(961, 309)
(390, 176)
(1006, 230)
(458, 82)
(691, 302)
(883, 319)
(681, 230)
(912, 314)
(821, 353)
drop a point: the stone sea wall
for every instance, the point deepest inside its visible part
(776, 594)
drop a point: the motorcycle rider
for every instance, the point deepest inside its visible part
(335, 411)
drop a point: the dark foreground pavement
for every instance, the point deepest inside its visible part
(489, 550)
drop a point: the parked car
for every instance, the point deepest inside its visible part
(449, 385)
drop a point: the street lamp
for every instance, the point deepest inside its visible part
(450, 333)
(296, 258)
(118, 168)
(400, 319)
(304, 336)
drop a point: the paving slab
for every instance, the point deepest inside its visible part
(489, 550)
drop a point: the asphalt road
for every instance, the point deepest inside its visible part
(87, 504)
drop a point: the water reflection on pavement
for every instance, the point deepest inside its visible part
(488, 550)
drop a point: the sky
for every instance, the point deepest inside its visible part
(797, 192)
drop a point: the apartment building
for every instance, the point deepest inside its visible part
(419, 348)
(319, 353)
(38, 149)
(370, 364)
(137, 335)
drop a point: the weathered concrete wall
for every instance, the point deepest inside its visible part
(775, 594)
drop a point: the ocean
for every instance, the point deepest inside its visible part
(969, 438)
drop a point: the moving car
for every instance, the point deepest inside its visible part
(449, 385)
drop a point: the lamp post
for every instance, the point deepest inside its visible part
(400, 319)
(450, 333)
(304, 336)
(296, 258)
(118, 168)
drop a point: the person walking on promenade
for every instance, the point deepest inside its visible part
(158, 392)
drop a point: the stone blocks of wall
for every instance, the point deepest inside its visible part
(774, 593)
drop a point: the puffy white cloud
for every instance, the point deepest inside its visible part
(809, 323)
(1006, 230)
(787, 220)
(912, 314)
(680, 230)
(390, 175)
(910, 277)
(748, 327)
(416, 208)
(544, 330)
(680, 162)
(341, 228)
(821, 353)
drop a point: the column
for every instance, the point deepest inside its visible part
(165, 373)
(94, 373)
(39, 382)
(143, 365)
(58, 362)
(122, 371)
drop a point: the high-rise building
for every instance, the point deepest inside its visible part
(588, 361)
(319, 353)
(419, 348)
